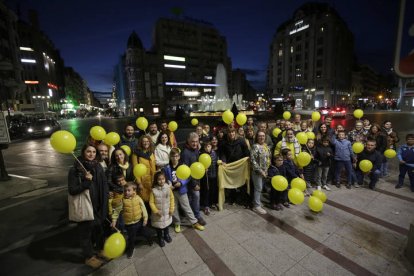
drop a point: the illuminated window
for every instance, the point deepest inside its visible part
(26, 49)
(291, 49)
(155, 110)
(280, 52)
(208, 77)
(166, 57)
(174, 66)
(26, 60)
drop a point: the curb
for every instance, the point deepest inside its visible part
(19, 185)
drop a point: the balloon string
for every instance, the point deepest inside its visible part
(80, 163)
(111, 223)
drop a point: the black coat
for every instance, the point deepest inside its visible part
(113, 171)
(231, 151)
(98, 188)
(374, 156)
(321, 155)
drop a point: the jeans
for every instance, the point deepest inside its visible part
(384, 168)
(373, 176)
(132, 230)
(403, 170)
(194, 198)
(258, 186)
(322, 176)
(181, 200)
(348, 167)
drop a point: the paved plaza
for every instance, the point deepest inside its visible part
(359, 232)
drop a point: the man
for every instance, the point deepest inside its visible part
(189, 155)
(104, 154)
(370, 153)
(128, 137)
(153, 132)
(296, 123)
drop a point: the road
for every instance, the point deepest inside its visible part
(35, 236)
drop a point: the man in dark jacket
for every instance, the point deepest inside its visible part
(189, 155)
(370, 153)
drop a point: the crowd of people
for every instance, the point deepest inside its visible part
(159, 199)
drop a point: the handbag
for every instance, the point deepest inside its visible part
(80, 207)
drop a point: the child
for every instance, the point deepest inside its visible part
(309, 170)
(179, 188)
(116, 194)
(406, 157)
(162, 207)
(135, 216)
(209, 189)
(277, 168)
(323, 156)
(344, 156)
(291, 171)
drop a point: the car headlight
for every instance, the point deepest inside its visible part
(30, 129)
(47, 128)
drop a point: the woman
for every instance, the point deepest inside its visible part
(322, 132)
(119, 165)
(387, 128)
(162, 150)
(260, 159)
(90, 176)
(144, 154)
(240, 132)
(214, 144)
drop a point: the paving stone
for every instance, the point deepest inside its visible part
(201, 270)
(297, 270)
(318, 264)
(217, 238)
(153, 263)
(128, 271)
(113, 267)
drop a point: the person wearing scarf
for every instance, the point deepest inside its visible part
(289, 142)
(144, 154)
(90, 176)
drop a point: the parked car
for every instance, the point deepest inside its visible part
(338, 112)
(43, 127)
(324, 110)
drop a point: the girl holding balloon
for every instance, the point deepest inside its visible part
(276, 197)
(85, 174)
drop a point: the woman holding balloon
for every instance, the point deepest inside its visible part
(144, 154)
(87, 174)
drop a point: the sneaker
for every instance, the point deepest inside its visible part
(319, 188)
(338, 185)
(198, 226)
(202, 221)
(93, 262)
(286, 204)
(326, 187)
(167, 238)
(348, 186)
(130, 253)
(398, 186)
(177, 228)
(279, 207)
(207, 211)
(356, 185)
(259, 210)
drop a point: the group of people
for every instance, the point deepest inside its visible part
(159, 198)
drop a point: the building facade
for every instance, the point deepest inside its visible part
(311, 58)
(179, 69)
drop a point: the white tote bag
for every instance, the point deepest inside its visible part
(80, 207)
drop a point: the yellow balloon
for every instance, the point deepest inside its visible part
(315, 204)
(205, 159)
(276, 131)
(390, 153)
(358, 147)
(279, 183)
(127, 149)
(140, 170)
(298, 183)
(284, 133)
(142, 123)
(311, 135)
(358, 113)
(303, 159)
(227, 117)
(183, 172)
(316, 116)
(63, 141)
(302, 138)
(319, 194)
(172, 126)
(296, 196)
(197, 170)
(97, 133)
(114, 246)
(365, 165)
(286, 115)
(194, 122)
(112, 138)
(241, 119)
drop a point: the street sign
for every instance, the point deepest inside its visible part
(404, 51)
(4, 130)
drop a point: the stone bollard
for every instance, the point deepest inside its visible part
(409, 251)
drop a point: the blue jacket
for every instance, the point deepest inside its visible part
(170, 174)
(343, 150)
(406, 153)
(188, 157)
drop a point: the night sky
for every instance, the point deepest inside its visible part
(91, 34)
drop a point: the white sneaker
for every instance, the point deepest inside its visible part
(326, 187)
(259, 210)
(318, 188)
